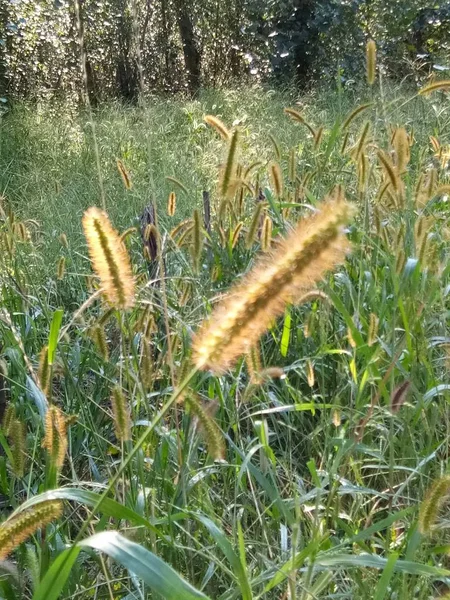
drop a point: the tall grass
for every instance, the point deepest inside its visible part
(299, 472)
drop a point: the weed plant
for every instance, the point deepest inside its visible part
(187, 411)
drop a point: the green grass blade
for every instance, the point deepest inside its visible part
(284, 345)
(54, 333)
(157, 574)
(383, 584)
(292, 564)
(372, 561)
(56, 577)
(234, 560)
(109, 507)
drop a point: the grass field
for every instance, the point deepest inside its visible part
(312, 467)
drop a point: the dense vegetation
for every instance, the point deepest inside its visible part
(130, 46)
(302, 470)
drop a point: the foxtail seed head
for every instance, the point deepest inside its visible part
(109, 258)
(401, 146)
(229, 170)
(55, 440)
(371, 61)
(121, 414)
(44, 370)
(99, 338)
(266, 234)
(236, 233)
(219, 126)
(124, 174)
(314, 247)
(429, 509)
(16, 530)
(251, 233)
(197, 241)
(276, 178)
(207, 425)
(63, 240)
(17, 435)
(61, 268)
(171, 204)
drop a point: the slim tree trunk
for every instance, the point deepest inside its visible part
(4, 78)
(190, 49)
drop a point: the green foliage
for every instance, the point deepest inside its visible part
(294, 477)
(134, 46)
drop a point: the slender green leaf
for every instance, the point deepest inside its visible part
(109, 507)
(383, 584)
(56, 577)
(372, 561)
(54, 333)
(157, 574)
(226, 547)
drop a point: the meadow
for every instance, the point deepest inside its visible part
(294, 446)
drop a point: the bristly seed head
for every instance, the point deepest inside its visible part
(314, 247)
(109, 259)
(371, 64)
(17, 529)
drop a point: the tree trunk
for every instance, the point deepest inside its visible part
(303, 52)
(4, 78)
(190, 49)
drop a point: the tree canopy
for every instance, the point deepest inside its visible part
(175, 45)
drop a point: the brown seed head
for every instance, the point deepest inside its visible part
(109, 258)
(17, 529)
(314, 247)
(55, 440)
(371, 61)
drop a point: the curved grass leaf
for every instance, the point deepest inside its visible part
(55, 578)
(109, 507)
(157, 574)
(372, 561)
(224, 544)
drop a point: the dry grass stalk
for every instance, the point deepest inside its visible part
(315, 246)
(310, 373)
(178, 183)
(197, 240)
(109, 259)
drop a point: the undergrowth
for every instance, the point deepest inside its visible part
(304, 465)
